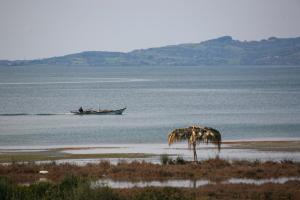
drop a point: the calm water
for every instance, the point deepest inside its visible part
(242, 102)
(187, 183)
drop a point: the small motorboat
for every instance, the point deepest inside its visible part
(98, 112)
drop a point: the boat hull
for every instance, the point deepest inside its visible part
(101, 112)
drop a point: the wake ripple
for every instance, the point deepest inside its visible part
(103, 80)
(34, 114)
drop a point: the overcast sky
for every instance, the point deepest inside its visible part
(43, 28)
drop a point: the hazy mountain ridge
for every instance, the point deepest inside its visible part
(220, 51)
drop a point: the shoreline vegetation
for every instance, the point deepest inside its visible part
(214, 169)
(69, 181)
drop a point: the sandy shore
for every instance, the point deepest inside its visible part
(286, 146)
(249, 150)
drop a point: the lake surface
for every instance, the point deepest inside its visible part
(243, 102)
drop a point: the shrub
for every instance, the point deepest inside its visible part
(286, 161)
(164, 159)
(257, 162)
(180, 160)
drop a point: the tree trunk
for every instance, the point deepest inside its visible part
(195, 153)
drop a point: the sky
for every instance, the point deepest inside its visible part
(31, 29)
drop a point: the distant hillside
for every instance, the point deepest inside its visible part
(220, 51)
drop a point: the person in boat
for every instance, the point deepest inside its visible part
(80, 109)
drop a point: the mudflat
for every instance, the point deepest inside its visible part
(114, 151)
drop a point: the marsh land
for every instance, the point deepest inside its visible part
(69, 181)
(172, 178)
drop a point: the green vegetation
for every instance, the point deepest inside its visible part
(220, 51)
(70, 188)
(180, 160)
(166, 160)
(75, 188)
